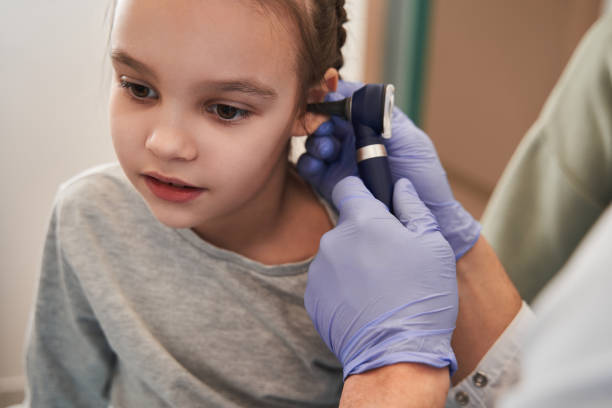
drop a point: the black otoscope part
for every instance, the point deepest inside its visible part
(373, 164)
(369, 110)
(340, 108)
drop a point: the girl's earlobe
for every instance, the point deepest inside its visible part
(308, 122)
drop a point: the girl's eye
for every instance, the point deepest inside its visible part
(138, 91)
(227, 113)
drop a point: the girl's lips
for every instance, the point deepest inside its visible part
(168, 180)
(172, 189)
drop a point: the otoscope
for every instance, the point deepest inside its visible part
(369, 110)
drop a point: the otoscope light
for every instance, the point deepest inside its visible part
(388, 112)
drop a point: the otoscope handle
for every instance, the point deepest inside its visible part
(373, 164)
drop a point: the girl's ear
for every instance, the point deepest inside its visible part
(308, 122)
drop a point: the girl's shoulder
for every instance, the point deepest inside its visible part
(98, 181)
(99, 198)
(99, 186)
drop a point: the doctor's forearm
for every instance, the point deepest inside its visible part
(488, 302)
(403, 385)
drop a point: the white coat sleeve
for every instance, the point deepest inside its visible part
(498, 369)
(567, 361)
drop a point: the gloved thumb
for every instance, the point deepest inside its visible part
(347, 88)
(353, 200)
(410, 210)
(334, 96)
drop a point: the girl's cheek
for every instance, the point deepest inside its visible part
(257, 154)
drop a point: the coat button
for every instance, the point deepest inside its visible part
(462, 398)
(480, 380)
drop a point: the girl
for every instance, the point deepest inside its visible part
(177, 279)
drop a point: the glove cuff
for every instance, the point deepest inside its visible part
(457, 225)
(396, 337)
(434, 351)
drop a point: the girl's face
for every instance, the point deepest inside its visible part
(204, 95)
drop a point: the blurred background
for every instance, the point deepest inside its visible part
(474, 74)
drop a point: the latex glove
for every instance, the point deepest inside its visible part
(411, 155)
(381, 290)
(330, 150)
(330, 153)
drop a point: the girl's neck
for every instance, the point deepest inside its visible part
(283, 224)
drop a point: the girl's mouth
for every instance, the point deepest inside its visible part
(170, 189)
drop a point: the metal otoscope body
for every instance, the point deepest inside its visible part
(369, 110)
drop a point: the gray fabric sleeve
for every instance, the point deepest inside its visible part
(559, 180)
(68, 361)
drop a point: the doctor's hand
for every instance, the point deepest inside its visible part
(330, 156)
(382, 290)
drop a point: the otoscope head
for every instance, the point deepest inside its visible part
(371, 105)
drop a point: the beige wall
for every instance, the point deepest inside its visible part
(491, 65)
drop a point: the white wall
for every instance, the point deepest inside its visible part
(54, 84)
(52, 125)
(355, 47)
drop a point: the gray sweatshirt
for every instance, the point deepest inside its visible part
(131, 313)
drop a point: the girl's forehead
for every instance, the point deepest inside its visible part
(201, 37)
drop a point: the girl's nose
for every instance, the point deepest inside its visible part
(171, 143)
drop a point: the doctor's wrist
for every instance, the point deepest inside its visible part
(397, 385)
(488, 302)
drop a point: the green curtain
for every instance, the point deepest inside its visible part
(405, 53)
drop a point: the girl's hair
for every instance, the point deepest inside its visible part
(319, 26)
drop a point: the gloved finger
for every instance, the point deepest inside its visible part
(329, 139)
(410, 138)
(334, 96)
(322, 144)
(325, 147)
(347, 88)
(310, 167)
(353, 200)
(325, 129)
(342, 128)
(410, 210)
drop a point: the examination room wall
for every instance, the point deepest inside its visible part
(54, 82)
(487, 68)
(52, 125)
(490, 66)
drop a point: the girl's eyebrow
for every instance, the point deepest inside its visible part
(125, 59)
(247, 86)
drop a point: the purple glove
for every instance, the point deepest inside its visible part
(382, 290)
(411, 155)
(330, 153)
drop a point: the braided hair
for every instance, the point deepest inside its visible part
(328, 18)
(319, 24)
(341, 19)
